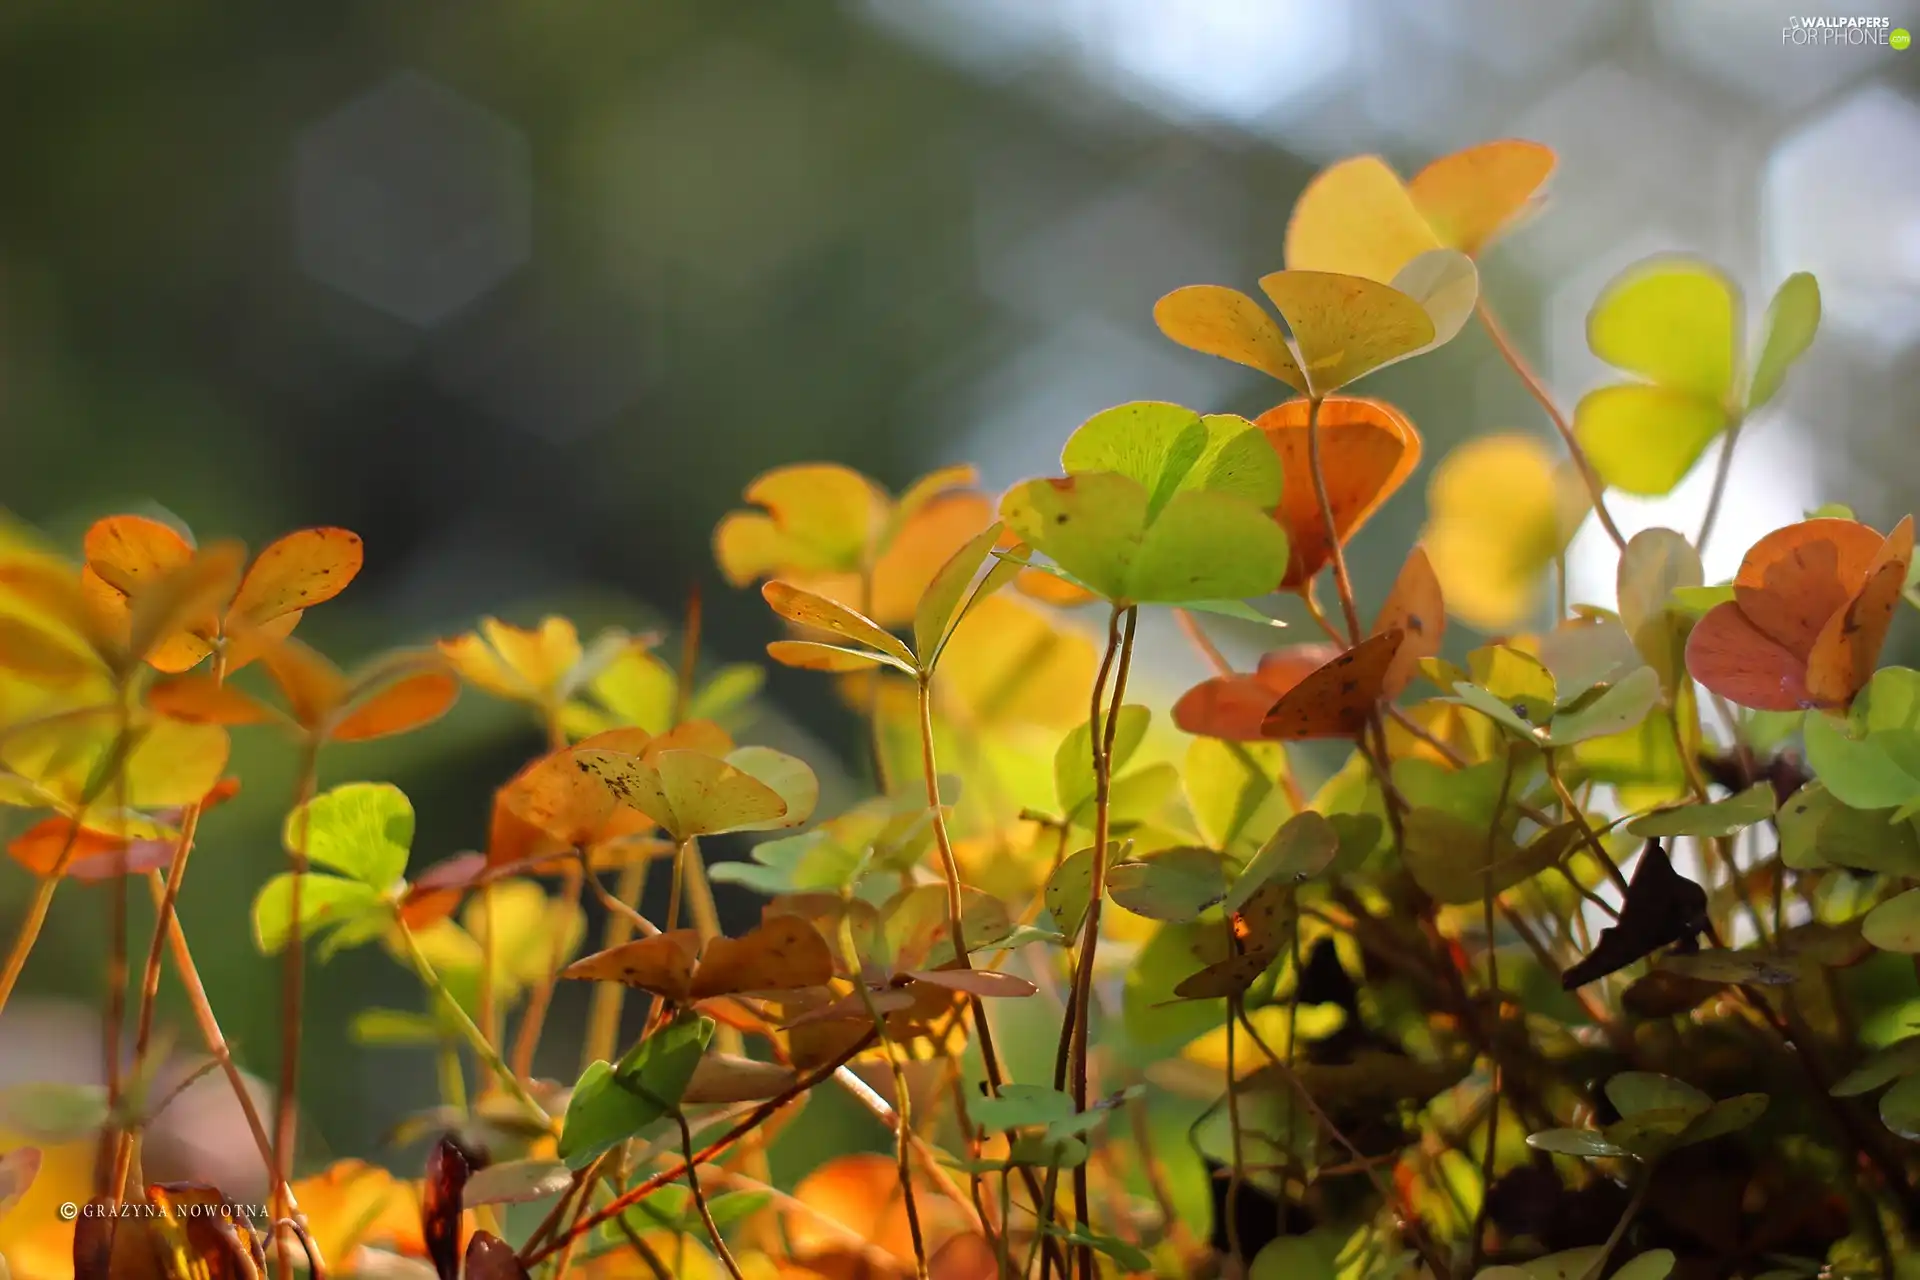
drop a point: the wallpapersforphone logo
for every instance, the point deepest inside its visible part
(1865, 32)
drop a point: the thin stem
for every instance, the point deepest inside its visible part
(1102, 735)
(1515, 361)
(1409, 1220)
(603, 1016)
(482, 1047)
(700, 1199)
(292, 991)
(1237, 1176)
(902, 1109)
(1578, 817)
(216, 1043)
(757, 1117)
(534, 1020)
(1342, 583)
(1721, 471)
(1476, 1240)
(1598, 1266)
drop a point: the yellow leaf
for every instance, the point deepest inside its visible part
(1470, 197)
(1344, 327)
(1499, 511)
(517, 663)
(1645, 439)
(817, 518)
(1674, 322)
(1357, 218)
(1223, 322)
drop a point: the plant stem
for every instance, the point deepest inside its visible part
(1102, 735)
(293, 977)
(476, 1039)
(534, 1020)
(757, 1117)
(1721, 471)
(1476, 1239)
(1538, 390)
(1237, 1176)
(1598, 1266)
(1341, 582)
(216, 1042)
(603, 1017)
(700, 1200)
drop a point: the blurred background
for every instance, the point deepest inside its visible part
(526, 295)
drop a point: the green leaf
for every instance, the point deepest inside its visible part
(1818, 831)
(1073, 778)
(1654, 1264)
(516, 1182)
(1900, 1108)
(1504, 714)
(395, 1027)
(1894, 925)
(1729, 1115)
(1623, 705)
(1881, 1068)
(1793, 317)
(1168, 449)
(1200, 546)
(1293, 1258)
(1174, 884)
(1633, 1092)
(1516, 678)
(1130, 1258)
(362, 829)
(1720, 818)
(1861, 772)
(1656, 564)
(1040, 1151)
(1232, 792)
(53, 1114)
(1155, 1019)
(1069, 890)
(1238, 609)
(1447, 856)
(1584, 1143)
(1672, 321)
(731, 688)
(790, 777)
(1644, 440)
(614, 1102)
(942, 596)
(325, 902)
(1020, 1106)
(1299, 850)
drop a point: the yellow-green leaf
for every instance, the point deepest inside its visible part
(1672, 321)
(1644, 439)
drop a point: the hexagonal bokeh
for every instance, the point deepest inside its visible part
(412, 200)
(1842, 204)
(1740, 44)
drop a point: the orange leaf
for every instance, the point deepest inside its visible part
(1367, 451)
(312, 686)
(408, 704)
(1848, 647)
(1735, 659)
(783, 953)
(662, 964)
(987, 983)
(82, 853)
(204, 700)
(129, 552)
(1794, 579)
(1337, 700)
(1473, 195)
(1416, 607)
(1233, 707)
(436, 892)
(305, 568)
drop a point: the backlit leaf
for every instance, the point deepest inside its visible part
(1223, 322)
(1358, 218)
(1720, 818)
(325, 902)
(305, 568)
(806, 609)
(1172, 884)
(1368, 449)
(1793, 317)
(615, 1101)
(362, 829)
(1345, 327)
(1672, 321)
(1470, 197)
